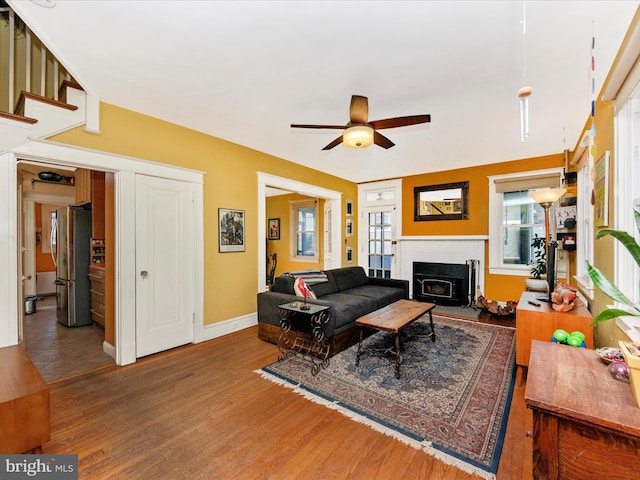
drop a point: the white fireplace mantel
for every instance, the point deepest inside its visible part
(439, 249)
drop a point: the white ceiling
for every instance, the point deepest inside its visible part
(244, 71)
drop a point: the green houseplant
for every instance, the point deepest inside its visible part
(606, 285)
(537, 279)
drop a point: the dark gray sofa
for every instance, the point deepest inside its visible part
(348, 292)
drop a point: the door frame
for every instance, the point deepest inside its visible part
(294, 186)
(125, 170)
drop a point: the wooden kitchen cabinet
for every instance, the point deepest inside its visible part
(539, 323)
(83, 186)
(585, 423)
(97, 289)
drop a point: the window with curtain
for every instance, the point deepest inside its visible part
(515, 219)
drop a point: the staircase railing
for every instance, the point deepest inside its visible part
(25, 63)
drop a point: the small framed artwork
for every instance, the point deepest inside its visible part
(274, 229)
(349, 255)
(349, 208)
(231, 230)
(349, 228)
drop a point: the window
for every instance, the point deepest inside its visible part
(304, 230)
(515, 219)
(627, 277)
(584, 228)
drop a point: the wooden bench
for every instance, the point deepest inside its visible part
(24, 403)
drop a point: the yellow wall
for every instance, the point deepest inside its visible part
(497, 287)
(230, 279)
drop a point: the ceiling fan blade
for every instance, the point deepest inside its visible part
(337, 141)
(359, 110)
(333, 127)
(400, 121)
(382, 141)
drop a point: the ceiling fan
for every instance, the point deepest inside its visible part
(360, 132)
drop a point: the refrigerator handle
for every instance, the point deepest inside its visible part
(54, 227)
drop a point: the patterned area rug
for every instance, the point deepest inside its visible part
(457, 312)
(452, 399)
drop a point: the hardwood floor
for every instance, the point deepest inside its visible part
(58, 351)
(201, 412)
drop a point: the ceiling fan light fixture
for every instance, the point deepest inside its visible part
(358, 136)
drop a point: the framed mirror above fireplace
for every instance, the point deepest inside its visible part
(447, 201)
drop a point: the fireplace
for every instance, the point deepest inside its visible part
(442, 283)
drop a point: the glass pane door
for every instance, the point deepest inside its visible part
(380, 243)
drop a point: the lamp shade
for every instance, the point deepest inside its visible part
(358, 136)
(548, 196)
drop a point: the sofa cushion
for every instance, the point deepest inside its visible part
(349, 307)
(382, 295)
(349, 277)
(325, 288)
(283, 284)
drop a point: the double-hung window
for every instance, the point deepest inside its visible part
(515, 219)
(304, 229)
(627, 276)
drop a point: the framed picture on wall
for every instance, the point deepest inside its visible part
(349, 209)
(231, 230)
(349, 255)
(274, 229)
(349, 228)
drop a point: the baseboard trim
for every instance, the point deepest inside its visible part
(109, 349)
(219, 329)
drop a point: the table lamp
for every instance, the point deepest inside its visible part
(546, 198)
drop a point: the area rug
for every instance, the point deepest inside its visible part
(457, 312)
(452, 399)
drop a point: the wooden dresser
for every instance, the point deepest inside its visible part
(539, 323)
(585, 423)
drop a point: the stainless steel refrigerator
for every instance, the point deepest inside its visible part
(72, 257)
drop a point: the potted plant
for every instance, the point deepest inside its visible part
(608, 288)
(537, 281)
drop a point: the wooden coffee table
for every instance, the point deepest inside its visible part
(394, 318)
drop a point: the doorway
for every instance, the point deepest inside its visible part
(56, 350)
(333, 204)
(380, 206)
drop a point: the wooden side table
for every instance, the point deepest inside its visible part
(585, 423)
(539, 322)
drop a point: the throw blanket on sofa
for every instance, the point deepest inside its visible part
(310, 277)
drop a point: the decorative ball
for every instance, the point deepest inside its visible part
(560, 335)
(574, 341)
(578, 334)
(619, 371)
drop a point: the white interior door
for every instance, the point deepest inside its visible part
(165, 304)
